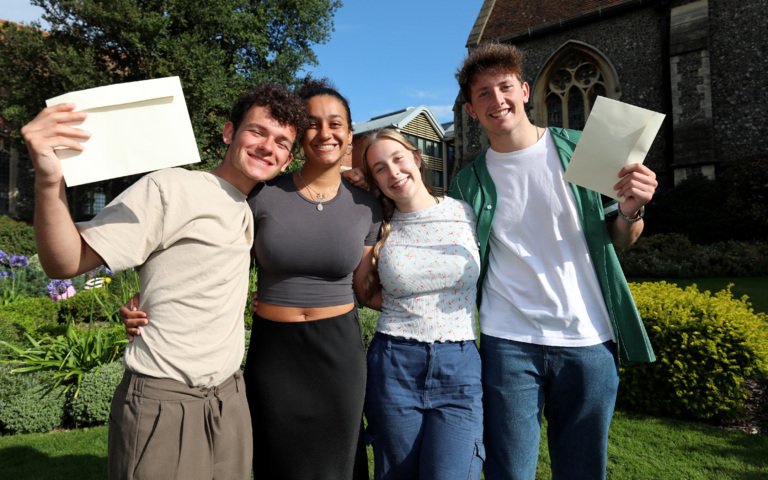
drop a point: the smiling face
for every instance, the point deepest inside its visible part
(396, 171)
(497, 101)
(328, 136)
(258, 150)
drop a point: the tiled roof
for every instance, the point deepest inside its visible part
(501, 20)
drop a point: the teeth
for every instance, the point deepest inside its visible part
(326, 147)
(399, 183)
(500, 113)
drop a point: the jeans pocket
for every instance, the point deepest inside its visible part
(478, 459)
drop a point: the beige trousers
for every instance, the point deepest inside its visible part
(164, 429)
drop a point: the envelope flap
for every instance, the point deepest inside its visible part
(121, 93)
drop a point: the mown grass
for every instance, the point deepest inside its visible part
(641, 448)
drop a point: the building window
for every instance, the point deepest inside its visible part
(569, 84)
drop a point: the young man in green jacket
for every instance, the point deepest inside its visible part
(556, 314)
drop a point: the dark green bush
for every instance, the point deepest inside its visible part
(68, 357)
(91, 405)
(16, 237)
(30, 313)
(368, 319)
(672, 255)
(27, 405)
(707, 346)
(94, 305)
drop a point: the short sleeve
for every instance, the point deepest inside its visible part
(128, 230)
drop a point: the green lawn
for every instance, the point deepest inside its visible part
(641, 448)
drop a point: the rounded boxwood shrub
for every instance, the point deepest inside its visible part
(30, 313)
(91, 405)
(707, 347)
(27, 405)
(16, 237)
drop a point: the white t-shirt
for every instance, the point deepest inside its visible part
(541, 286)
(190, 234)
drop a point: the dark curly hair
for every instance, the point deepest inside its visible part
(284, 106)
(312, 87)
(489, 58)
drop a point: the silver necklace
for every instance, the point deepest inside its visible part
(319, 196)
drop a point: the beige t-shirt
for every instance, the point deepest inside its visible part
(189, 235)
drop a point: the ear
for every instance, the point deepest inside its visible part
(417, 158)
(526, 91)
(470, 110)
(290, 159)
(228, 132)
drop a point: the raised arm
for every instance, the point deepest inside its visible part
(62, 252)
(637, 186)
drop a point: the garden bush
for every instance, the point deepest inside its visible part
(27, 405)
(673, 255)
(368, 319)
(17, 237)
(68, 357)
(707, 347)
(30, 313)
(94, 305)
(91, 405)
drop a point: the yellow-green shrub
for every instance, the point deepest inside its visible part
(707, 346)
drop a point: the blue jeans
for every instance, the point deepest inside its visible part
(575, 388)
(424, 409)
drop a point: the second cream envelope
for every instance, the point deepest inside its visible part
(135, 127)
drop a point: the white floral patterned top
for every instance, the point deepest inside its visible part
(428, 268)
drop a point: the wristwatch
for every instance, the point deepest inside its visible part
(638, 215)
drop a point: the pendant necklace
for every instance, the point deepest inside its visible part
(319, 196)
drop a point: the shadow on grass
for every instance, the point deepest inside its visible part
(26, 463)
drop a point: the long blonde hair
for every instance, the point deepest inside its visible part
(387, 205)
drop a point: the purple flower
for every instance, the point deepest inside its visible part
(18, 261)
(57, 287)
(4, 274)
(3, 258)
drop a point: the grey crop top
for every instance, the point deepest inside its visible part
(305, 257)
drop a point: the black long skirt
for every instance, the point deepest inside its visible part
(305, 383)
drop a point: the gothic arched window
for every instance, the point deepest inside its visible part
(568, 85)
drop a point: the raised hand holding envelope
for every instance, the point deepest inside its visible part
(616, 134)
(135, 127)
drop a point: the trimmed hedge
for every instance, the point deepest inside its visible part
(91, 406)
(26, 406)
(708, 346)
(17, 237)
(673, 255)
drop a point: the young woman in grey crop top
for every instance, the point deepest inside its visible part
(424, 395)
(305, 370)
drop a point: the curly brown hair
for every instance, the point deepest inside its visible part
(284, 106)
(489, 58)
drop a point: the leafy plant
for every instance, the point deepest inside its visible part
(67, 357)
(708, 347)
(26, 405)
(92, 405)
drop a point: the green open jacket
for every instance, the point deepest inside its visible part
(474, 185)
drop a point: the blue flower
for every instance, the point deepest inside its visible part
(57, 287)
(3, 258)
(18, 261)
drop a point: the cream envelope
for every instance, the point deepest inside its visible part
(135, 127)
(616, 134)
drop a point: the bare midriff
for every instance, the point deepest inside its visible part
(281, 313)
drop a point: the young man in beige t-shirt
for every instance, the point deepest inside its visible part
(180, 411)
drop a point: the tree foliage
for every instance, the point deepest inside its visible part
(217, 47)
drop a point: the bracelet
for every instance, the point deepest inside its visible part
(638, 215)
